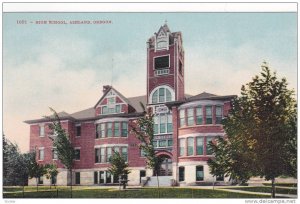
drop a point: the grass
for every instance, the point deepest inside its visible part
(282, 184)
(64, 192)
(268, 190)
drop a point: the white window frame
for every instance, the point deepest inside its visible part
(157, 89)
(42, 127)
(43, 150)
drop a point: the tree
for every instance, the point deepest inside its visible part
(143, 128)
(15, 164)
(262, 125)
(62, 144)
(119, 167)
(51, 172)
(36, 170)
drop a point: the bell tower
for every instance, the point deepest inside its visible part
(165, 67)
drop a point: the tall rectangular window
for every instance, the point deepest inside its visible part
(97, 155)
(181, 173)
(124, 153)
(78, 130)
(199, 145)
(95, 177)
(109, 130)
(77, 154)
(41, 154)
(108, 154)
(199, 173)
(101, 176)
(163, 121)
(98, 131)
(104, 110)
(219, 114)
(181, 147)
(102, 155)
(170, 143)
(118, 108)
(169, 124)
(117, 129)
(102, 130)
(190, 116)
(156, 124)
(199, 115)
(182, 117)
(42, 130)
(190, 146)
(208, 114)
(162, 143)
(124, 129)
(208, 149)
(77, 178)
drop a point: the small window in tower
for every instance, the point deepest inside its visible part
(180, 68)
(161, 62)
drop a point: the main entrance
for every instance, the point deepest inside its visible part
(166, 166)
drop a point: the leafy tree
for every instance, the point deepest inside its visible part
(15, 164)
(62, 144)
(143, 128)
(262, 125)
(51, 172)
(36, 170)
(119, 167)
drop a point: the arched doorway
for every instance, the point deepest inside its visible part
(166, 166)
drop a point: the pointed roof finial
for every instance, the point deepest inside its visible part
(166, 21)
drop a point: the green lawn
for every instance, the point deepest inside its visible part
(267, 189)
(131, 193)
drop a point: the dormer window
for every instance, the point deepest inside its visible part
(162, 41)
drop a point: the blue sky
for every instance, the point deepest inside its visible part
(65, 66)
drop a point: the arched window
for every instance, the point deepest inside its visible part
(162, 95)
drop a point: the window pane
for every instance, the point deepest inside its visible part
(42, 130)
(182, 117)
(111, 100)
(162, 143)
(77, 177)
(124, 153)
(78, 131)
(154, 143)
(190, 146)
(199, 145)
(199, 173)
(169, 124)
(190, 115)
(117, 129)
(199, 115)
(168, 95)
(97, 155)
(163, 120)
(77, 154)
(208, 115)
(156, 124)
(218, 114)
(161, 95)
(109, 129)
(118, 108)
(104, 110)
(170, 143)
(181, 147)
(108, 154)
(102, 155)
(41, 154)
(124, 129)
(102, 133)
(101, 179)
(95, 177)
(154, 97)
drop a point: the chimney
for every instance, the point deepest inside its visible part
(105, 88)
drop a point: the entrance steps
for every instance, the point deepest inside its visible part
(152, 181)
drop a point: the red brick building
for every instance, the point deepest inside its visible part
(183, 126)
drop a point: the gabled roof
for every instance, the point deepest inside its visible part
(119, 94)
(202, 95)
